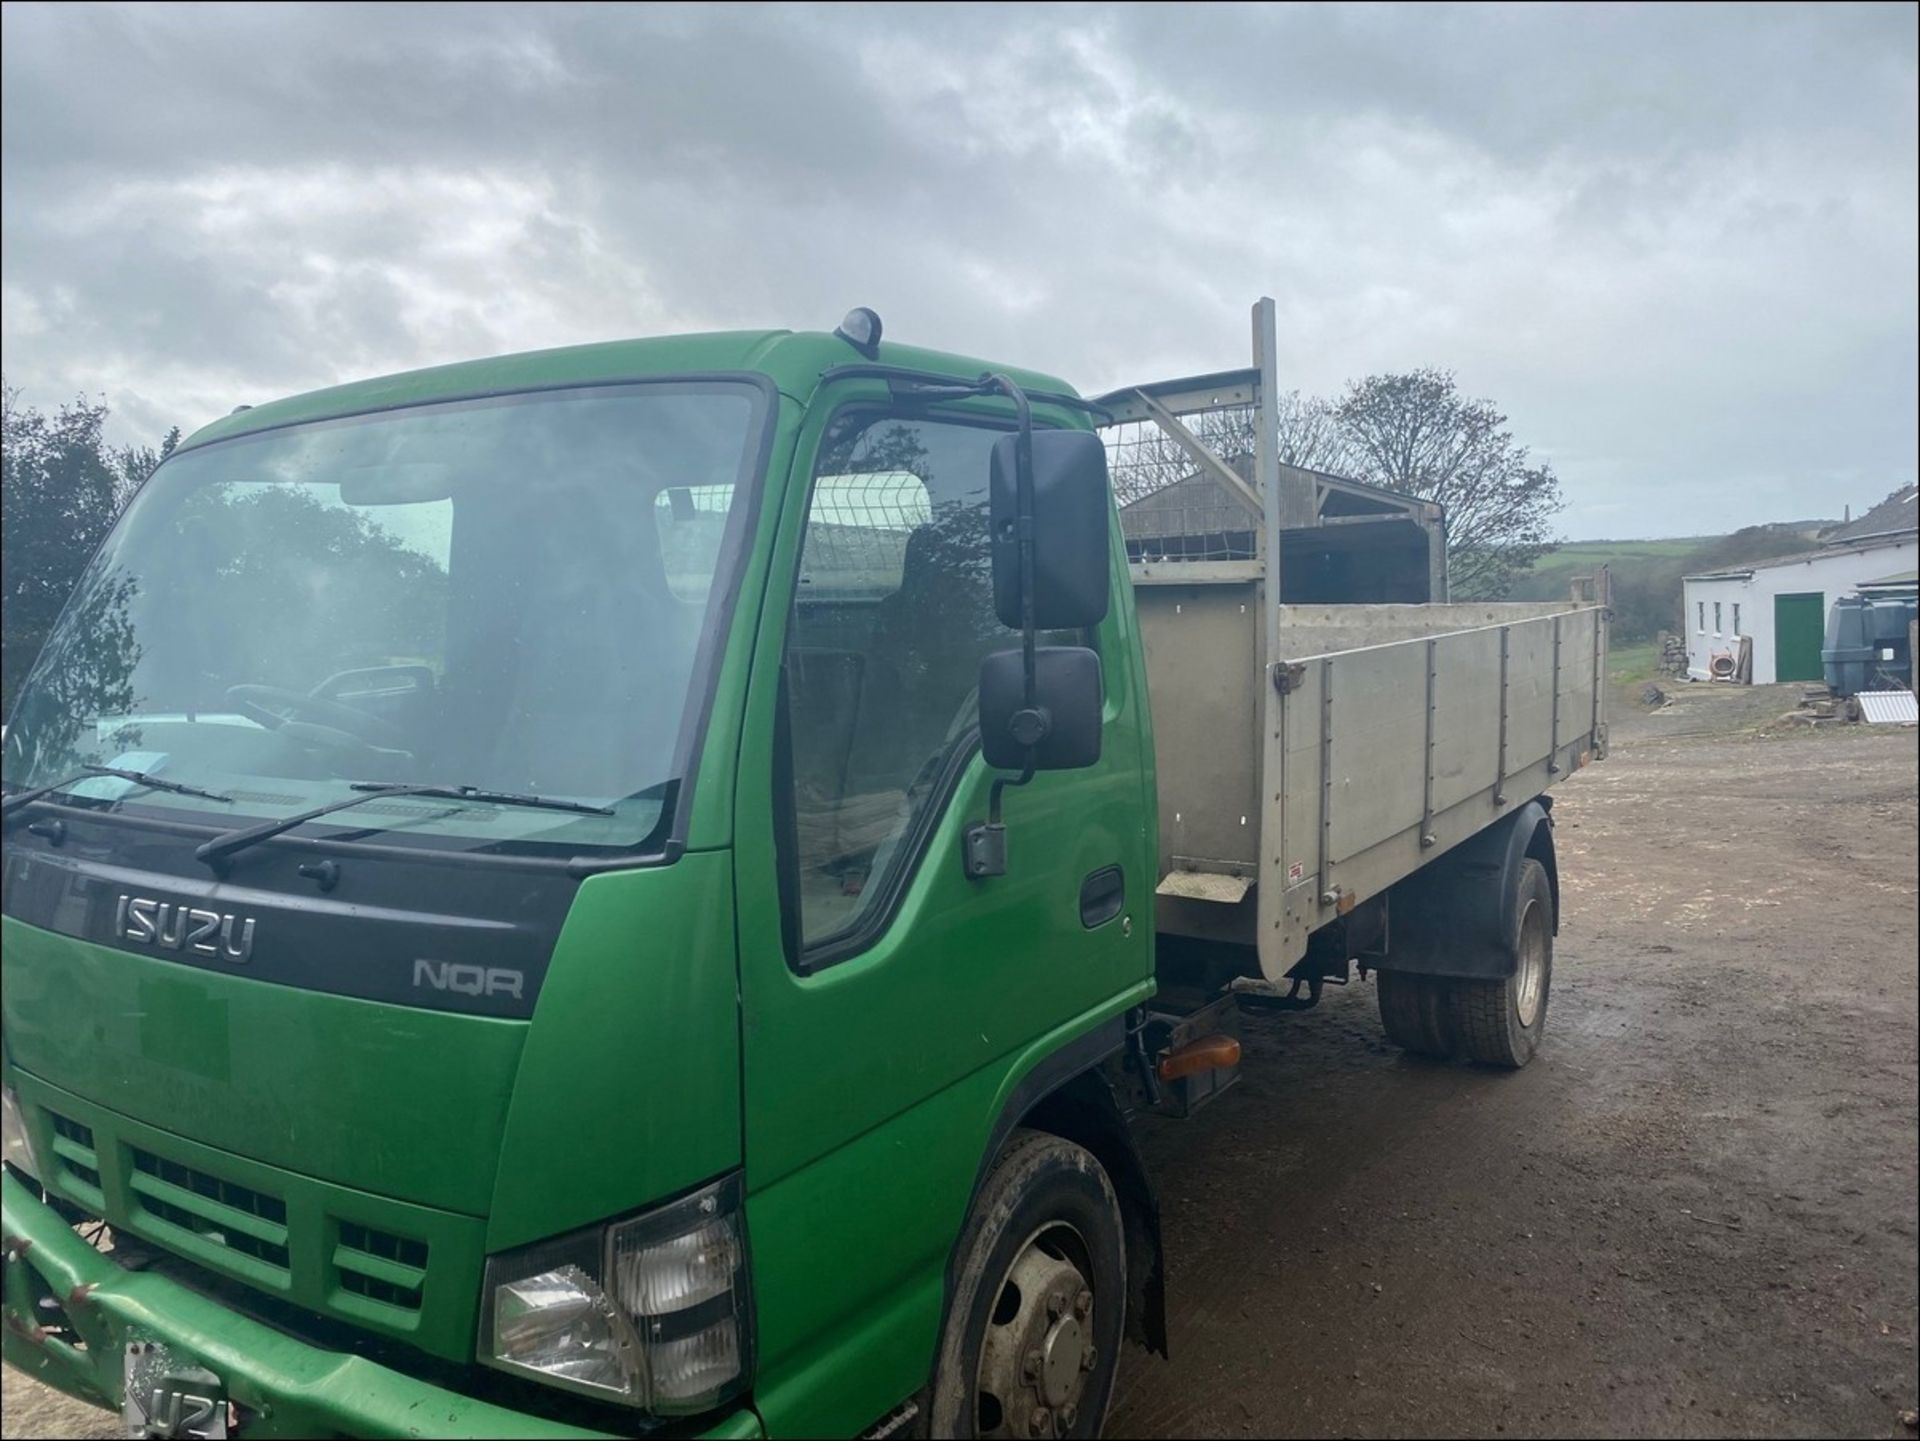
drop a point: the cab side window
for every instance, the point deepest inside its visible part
(892, 613)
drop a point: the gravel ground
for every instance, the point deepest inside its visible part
(1692, 1215)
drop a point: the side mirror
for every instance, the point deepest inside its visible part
(1066, 692)
(1070, 521)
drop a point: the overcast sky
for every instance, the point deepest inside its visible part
(1677, 246)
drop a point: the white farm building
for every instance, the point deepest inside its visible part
(1781, 605)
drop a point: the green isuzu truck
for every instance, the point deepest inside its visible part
(642, 888)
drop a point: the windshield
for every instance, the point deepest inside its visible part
(516, 594)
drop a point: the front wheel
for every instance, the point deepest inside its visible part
(1031, 1340)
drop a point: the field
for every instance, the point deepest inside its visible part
(1582, 557)
(1630, 665)
(1645, 573)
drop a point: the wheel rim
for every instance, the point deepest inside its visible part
(1530, 980)
(1039, 1349)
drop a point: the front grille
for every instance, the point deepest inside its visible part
(79, 1161)
(233, 1217)
(360, 1261)
(380, 1265)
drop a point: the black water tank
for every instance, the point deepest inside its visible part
(1866, 645)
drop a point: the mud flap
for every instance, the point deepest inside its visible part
(1453, 918)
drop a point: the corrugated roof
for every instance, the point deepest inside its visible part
(1906, 578)
(1798, 558)
(1896, 513)
(1888, 707)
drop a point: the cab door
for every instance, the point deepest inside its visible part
(891, 1003)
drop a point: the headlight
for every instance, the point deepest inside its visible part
(19, 1145)
(651, 1311)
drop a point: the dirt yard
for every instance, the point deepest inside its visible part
(1693, 1215)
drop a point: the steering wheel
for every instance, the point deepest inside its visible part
(257, 702)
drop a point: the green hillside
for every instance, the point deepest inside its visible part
(1581, 557)
(1647, 573)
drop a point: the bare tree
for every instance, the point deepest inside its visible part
(1416, 433)
(1310, 434)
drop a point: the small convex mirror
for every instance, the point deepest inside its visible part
(1066, 692)
(1070, 519)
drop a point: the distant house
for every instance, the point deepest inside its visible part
(1781, 605)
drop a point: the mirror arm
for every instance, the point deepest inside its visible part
(1000, 783)
(984, 844)
(932, 385)
(1033, 720)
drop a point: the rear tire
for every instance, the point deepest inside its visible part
(1494, 1022)
(1499, 1023)
(1415, 1012)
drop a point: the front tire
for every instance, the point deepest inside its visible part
(1031, 1340)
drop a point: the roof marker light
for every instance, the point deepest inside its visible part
(861, 330)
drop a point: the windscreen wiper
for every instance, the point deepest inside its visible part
(228, 842)
(141, 778)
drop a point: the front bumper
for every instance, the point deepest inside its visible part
(283, 1386)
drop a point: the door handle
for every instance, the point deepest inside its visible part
(1102, 894)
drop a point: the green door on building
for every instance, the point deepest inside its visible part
(1799, 628)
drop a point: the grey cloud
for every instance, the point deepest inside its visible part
(1677, 244)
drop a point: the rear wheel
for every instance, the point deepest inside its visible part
(1499, 1023)
(1033, 1328)
(1415, 1012)
(1495, 1022)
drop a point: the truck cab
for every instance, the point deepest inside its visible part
(510, 927)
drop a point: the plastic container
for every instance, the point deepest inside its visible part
(1866, 646)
